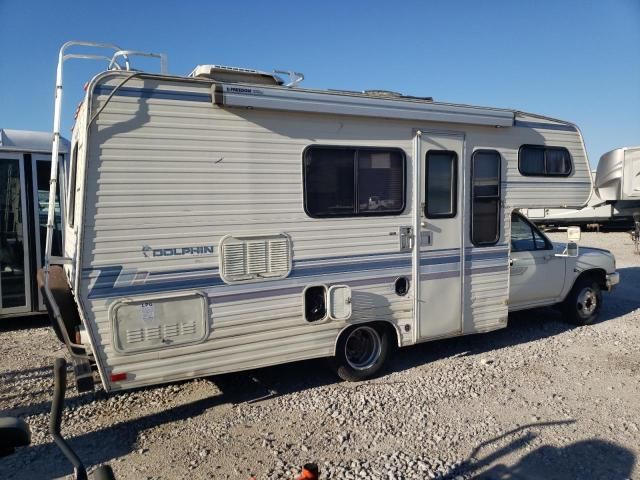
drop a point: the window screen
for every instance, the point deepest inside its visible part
(485, 208)
(543, 161)
(345, 182)
(441, 180)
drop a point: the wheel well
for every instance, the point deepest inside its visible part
(597, 274)
(378, 324)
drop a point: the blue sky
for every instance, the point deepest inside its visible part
(578, 60)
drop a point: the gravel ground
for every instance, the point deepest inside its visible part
(539, 399)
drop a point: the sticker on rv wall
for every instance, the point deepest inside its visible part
(244, 91)
(149, 251)
(148, 311)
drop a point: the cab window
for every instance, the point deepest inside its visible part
(525, 236)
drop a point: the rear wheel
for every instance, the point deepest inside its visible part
(582, 305)
(361, 352)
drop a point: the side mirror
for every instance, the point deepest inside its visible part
(573, 234)
(572, 249)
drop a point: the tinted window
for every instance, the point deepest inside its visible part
(441, 184)
(526, 237)
(521, 235)
(485, 171)
(380, 181)
(543, 161)
(531, 161)
(341, 182)
(540, 242)
(558, 161)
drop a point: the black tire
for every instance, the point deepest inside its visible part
(361, 352)
(582, 305)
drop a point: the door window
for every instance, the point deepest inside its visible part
(441, 180)
(525, 237)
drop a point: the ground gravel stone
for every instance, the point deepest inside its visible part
(539, 399)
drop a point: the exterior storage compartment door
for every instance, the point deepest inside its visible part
(153, 323)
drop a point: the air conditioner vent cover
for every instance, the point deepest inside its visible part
(255, 258)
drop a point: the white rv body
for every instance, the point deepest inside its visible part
(191, 249)
(25, 163)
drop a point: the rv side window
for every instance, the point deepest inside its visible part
(71, 203)
(441, 180)
(485, 204)
(347, 182)
(540, 161)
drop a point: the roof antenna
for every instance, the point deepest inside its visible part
(294, 77)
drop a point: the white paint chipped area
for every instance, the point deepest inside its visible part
(540, 399)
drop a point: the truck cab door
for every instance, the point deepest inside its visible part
(537, 275)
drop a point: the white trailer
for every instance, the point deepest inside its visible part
(225, 221)
(616, 198)
(25, 164)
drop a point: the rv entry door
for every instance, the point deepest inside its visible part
(438, 237)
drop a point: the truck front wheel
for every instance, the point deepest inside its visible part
(583, 303)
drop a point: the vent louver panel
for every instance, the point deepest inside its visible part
(255, 258)
(154, 323)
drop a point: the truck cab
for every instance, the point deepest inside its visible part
(544, 273)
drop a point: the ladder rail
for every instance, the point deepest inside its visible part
(113, 64)
(131, 53)
(53, 181)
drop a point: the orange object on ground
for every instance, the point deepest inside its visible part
(309, 472)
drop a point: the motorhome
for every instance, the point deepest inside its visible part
(616, 199)
(228, 220)
(25, 164)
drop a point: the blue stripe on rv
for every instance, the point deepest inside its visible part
(104, 285)
(153, 93)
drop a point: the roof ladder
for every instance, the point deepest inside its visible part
(119, 60)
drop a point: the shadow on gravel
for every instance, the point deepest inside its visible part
(24, 323)
(592, 458)
(625, 297)
(104, 445)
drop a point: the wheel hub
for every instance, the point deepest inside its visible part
(587, 302)
(363, 348)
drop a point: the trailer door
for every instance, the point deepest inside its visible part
(438, 234)
(14, 261)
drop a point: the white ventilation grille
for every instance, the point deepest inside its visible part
(263, 257)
